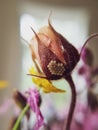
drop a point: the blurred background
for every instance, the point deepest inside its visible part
(74, 19)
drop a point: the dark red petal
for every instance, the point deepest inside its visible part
(46, 56)
(72, 53)
(54, 45)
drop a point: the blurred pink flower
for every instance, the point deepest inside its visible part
(79, 116)
(5, 107)
(91, 121)
(33, 100)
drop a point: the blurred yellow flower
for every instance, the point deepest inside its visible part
(45, 84)
(3, 84)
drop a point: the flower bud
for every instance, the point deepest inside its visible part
(56, 56)
(20, 99)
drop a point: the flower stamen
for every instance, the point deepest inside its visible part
(56, 68)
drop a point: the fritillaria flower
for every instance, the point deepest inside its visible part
(55, 58)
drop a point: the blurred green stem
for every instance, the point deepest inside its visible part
(20, 117)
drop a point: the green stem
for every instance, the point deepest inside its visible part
(20, 117)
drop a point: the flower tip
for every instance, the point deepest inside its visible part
(35, 34)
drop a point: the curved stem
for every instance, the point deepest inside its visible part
(73, 102)
(88, 39)
(20, 117)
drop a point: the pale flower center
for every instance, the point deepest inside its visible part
(56, 68)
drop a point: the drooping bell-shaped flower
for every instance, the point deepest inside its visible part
(55, 55)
